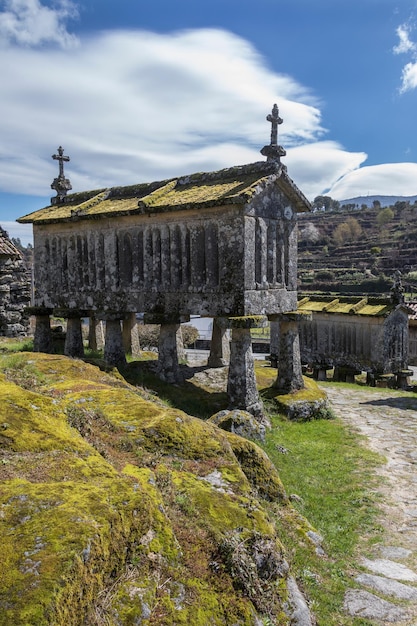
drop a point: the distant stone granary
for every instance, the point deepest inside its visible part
(412, 330)
(15, 280)
(221, 244)
(354, 334)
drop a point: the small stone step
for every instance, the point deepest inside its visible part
(390, 569)
(387, 586)
(360, 603)
(394, 552)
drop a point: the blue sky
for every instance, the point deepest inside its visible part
(139, 90)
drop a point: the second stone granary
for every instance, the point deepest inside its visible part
(220, 244)
(354, 334)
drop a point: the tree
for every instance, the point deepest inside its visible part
(325, 203)
(400, 205)
(309, 234)
(384, 216)
(376, 204)
(354, 227)
(350, 230)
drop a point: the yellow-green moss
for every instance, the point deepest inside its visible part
(108, 508)
(217, 509)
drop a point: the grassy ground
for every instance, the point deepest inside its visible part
(330, 473)
(325, 469)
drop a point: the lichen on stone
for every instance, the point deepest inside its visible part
(116, 508)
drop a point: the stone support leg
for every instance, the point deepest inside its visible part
(182, 356)
(114, 353)
(274, 342)
(241, 385)
(131, 335)
(42, 341)
(74, 346)
(220, 346)
(290, 377)
(168, 366)
(169, 346)
(320, 372)
(93, 327)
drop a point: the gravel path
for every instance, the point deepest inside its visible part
(386, 591)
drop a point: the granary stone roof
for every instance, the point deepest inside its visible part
(234, 185)
(347, 305)
(7, 248)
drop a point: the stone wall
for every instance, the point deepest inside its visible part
(15, 281)
(222, 261)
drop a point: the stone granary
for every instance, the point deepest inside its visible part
(220, 244)
(412, 330)
(355, 334)
(15, 284)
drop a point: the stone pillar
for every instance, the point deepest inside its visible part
(241, 384)
(131, 335)
(182, 356)
(345, 374)
(93, 325)
(274, 342)
(95, 333)
(219, 346)
(168, 368)
(42, 340)
(320, 371)
(74, 345)
(290, 377)
(114, 353)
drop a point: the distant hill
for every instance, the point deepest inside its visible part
(383, 200)
(333, 259)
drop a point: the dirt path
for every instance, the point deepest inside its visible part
(386, 590)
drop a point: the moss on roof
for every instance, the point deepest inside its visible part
(234, 185)
(347, 306)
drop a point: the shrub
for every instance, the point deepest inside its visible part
(189, 335)
(325, 275)
(149, 335)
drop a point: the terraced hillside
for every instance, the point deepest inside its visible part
(358, 251)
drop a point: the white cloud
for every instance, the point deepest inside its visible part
(409, 77)
(30, 23)
(136, 105)
(132, 106)
(407, 46)
(390, 179)
(317, 166)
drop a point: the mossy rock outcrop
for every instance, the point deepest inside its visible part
(119, 510)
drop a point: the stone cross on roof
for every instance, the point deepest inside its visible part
(273, 152)
(61, 184)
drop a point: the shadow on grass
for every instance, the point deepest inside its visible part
(187, 396)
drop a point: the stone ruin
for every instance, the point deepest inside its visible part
(219, 244)
(15, 286)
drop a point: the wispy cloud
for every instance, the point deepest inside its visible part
(30, 23)
(389, 179)
(407, 46)
(134, 106)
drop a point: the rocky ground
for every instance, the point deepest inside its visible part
(386, 591)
